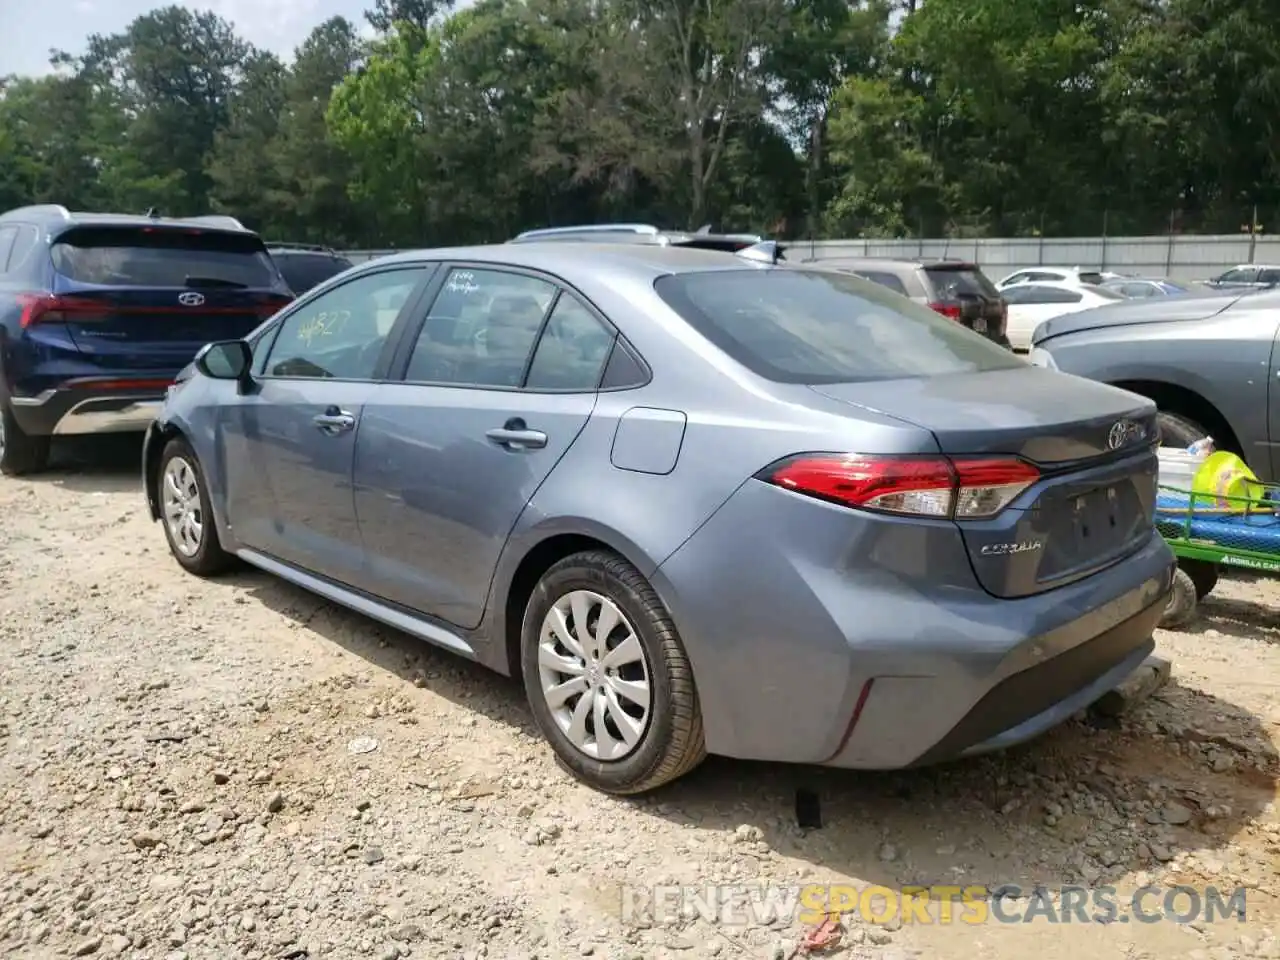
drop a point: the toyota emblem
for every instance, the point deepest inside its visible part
(1123, 433)
(191, 299)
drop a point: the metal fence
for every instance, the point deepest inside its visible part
(1176, 257)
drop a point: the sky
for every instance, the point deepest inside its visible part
(28, 28)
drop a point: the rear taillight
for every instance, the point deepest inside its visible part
(46, 308)
(271, 307)
(967, 488)
(949, 310)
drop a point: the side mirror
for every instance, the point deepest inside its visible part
(225, 360)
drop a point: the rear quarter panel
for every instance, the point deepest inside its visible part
(1226, 359)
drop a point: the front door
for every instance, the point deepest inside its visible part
(501, 380)
(291, 441)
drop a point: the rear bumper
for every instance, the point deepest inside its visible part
(80, 411)
(864, 642)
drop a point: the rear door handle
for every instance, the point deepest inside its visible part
(514, 435)
(334, 421)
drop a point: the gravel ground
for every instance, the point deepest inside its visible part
(178, 781)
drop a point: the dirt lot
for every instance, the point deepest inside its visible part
(178, 782)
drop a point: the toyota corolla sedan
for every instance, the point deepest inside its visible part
(699, 502)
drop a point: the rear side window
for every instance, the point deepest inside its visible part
(955, 284)
(302, 271)
(885, 280)
(162, 257)
(811, 326)
(8, 235)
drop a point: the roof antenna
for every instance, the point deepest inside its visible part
(767, 251)
(152, 213)
(703, 230)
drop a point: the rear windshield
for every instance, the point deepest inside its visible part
(160, 257)
(812, 326)
(302, 271)
(955, 283)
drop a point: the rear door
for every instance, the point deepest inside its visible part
(966, 288)
(148, 298)
(496, 386)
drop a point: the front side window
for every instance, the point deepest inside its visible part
(811, 326)
(481, 329)
(1238, 276)
(340, 334)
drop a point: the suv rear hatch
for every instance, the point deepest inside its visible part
(151, 297)
(963, 292)
(1093, 446)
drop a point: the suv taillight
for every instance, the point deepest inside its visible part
(949, 310)
(967, 488)
(47, 308)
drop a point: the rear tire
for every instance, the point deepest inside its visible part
(1181, 605)
(20, 453)
(185, 512)
(1179, 431)
(1203, 574)
(573, 692)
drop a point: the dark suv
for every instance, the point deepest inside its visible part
(644, 233)
(99, 313)
(305, 266)
(954, 288)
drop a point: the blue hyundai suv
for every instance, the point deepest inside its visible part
(100, 312)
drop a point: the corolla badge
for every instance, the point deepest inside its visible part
(191, 299)
(1125, 432)
(1008, 549)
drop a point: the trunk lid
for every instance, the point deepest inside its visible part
(1198, 306)
(148, 298)
(1093, 444)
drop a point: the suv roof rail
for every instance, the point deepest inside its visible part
(40, 210)
(217, 220)
(637, 228)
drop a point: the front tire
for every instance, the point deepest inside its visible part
(20, 453)
(1178, 431)
(186, 514)
(607, 677)
(1203, 574)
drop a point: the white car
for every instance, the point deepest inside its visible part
(1072, 275)
(1030, 304)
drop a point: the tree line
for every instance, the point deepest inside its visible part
(796, 118)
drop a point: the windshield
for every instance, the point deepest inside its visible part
(161, 257)
(812, 326)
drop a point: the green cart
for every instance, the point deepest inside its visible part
(1206, 532)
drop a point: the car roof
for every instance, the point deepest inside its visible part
(651, 260)
(634, 232)
(891, 262)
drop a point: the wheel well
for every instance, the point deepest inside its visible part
(152, 467)
(535, 563)
(1174, 399)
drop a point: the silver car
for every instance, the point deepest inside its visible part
(699, 501)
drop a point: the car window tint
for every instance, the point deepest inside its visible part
(572, 350)
(302, 271)
(885, 280)
(341, 333)
(1238, 276)
(7, 237)
(1017, 278)
(1269, 276)
(1029, 293)
(23, 244)
(481, 329)
(1137, 290)
(148, 257)
(1051, 277)
(813, 326)
(953, 283)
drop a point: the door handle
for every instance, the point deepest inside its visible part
(514, 435)
(334, 421)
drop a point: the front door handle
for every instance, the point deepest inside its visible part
(334, 421)
(514, 435)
